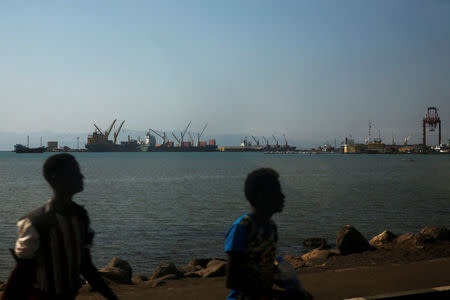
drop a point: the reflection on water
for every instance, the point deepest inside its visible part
(150, 208)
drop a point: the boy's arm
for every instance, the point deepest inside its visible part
(91, 274)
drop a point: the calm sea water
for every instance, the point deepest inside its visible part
(150, 208)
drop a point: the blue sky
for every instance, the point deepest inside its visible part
(315, 70)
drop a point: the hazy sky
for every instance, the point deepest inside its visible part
(314, 70)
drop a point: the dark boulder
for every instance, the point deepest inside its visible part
(166, 269)
(118, 271)
(349, 240)
(435, 233)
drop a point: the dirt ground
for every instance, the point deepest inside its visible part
(364, 274)
(330, 284)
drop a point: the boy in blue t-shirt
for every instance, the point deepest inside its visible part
(251, 241)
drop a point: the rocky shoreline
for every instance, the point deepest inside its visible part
(352, 250)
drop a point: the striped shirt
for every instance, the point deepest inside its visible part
(58, 251)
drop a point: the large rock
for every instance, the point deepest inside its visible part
(315, 243)
(349, 240)
(202, 262)
(166, 269)
(190, 268)
(138, 279)
(295, 260)
(383, 240)
(407, 239)
(318, 256)
(118, 271)
(435, 233)
(215, 268)
(161, 280)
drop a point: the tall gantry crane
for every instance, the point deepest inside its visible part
(432, 120)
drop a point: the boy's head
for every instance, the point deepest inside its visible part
(263, 191)
(63, 174)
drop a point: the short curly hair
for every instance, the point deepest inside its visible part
(264, 179)
(56, 163)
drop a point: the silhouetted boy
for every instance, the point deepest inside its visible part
(251, 241)
(53, 245)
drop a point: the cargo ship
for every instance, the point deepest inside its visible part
(98, 141)
(166, 145)
(247, 146)
(18, 148)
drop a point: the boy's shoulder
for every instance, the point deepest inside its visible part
(244, 220)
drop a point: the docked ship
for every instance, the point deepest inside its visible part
(98, 141)
(166, 145)
(247, 146)
(18, 148)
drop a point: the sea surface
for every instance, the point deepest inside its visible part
(150, 208)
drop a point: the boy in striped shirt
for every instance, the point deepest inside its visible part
(53, 245)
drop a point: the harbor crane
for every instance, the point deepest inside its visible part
(285, 141)
(199, 135)
(178, 140)
(99, 130)
(256, 141)
(164, 137)
(266, 140)
(108, 131)
(405, 140)
(116, 134)
(190, 137)
(276, 141)
(182, 134)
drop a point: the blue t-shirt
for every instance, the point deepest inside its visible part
(258, 244)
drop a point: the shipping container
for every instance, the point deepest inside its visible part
(202, 143)
(186, 144)
(212, 142)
